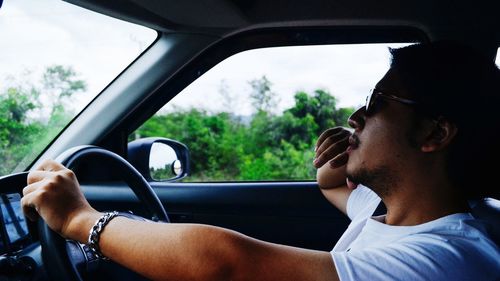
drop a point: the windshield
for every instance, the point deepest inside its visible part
(54, 59)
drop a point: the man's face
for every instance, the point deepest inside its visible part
(382, 150)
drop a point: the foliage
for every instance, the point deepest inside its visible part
(161, 173)
(223, 146)
(269, 147)
(262, 98)
(31, 116)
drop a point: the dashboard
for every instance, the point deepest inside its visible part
(13, 230)
(20, 255)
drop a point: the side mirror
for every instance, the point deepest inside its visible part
(159, 159)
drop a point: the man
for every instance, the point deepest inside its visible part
(402, 148)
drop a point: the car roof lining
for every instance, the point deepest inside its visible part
(451, 18)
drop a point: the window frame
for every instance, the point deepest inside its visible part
(263, 38)
(116, 139)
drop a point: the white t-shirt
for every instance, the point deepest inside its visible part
(453, 247)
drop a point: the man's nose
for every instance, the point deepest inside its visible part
(357, 119)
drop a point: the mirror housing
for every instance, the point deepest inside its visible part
(159, 159)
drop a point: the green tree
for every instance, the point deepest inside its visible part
(294, 130)
(322, 106)
(16, 130)
(215, 141)
(59, 84)
(301, 124)
(268, 147)
(284, 162)
(262, 97)
(31, 116)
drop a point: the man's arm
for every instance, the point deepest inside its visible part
(167, 251)
(332, 183)
(331, 159)
(199, 252)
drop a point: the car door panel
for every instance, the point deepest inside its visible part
(291, 213)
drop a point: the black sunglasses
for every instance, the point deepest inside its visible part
(371, 101)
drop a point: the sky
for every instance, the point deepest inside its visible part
(37, 34)
(41, 33)
(346, 71)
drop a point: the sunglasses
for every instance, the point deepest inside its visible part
(372, 101)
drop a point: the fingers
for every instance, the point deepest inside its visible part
(340, 160)
(39, 180)
(326, 134)
(50, 165)
(36, 176)
(32, 194)
(331, 143)
(335, 140)
(53, 193)
(29, 206)
(332, 151)
(48, 168)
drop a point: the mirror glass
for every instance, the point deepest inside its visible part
(163, 162)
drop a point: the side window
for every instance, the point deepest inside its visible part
(256, 115)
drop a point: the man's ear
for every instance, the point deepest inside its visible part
(439, 135)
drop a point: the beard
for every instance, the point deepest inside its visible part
(382, 180)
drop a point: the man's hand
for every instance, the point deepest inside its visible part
(331, 147)
(53, 193)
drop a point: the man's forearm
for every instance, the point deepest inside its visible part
(332, 182)
(329, 177)
(164, 251)
(199, 252)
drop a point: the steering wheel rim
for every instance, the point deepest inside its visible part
(54, 252)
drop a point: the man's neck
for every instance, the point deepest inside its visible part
(413, 208)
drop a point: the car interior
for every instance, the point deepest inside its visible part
(192, 38)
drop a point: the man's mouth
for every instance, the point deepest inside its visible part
(351, 184)
(353, 143)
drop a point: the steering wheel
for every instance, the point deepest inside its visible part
(62, 257)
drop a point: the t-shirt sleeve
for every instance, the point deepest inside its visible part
(438, 260)
(362, 202)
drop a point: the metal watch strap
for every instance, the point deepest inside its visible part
(95, 232)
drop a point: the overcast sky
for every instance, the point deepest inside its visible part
(346, 71)
(36, 34)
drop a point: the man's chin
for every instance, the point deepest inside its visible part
(353, 178)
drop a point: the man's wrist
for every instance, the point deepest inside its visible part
(80, 225)
(329, 177)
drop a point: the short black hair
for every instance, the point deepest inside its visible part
(461, 84)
